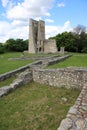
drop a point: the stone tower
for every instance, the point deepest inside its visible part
(37, 42)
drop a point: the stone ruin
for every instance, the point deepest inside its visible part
(76, 119)
(37, 41)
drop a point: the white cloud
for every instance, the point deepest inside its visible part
(54, 30)
(30, 8)
(4, 28)
(22, 31)
(8, 31)
(61, 4)
(4, 2)
(19, 15)
(49, 20)
(18, 23)
(8, 3)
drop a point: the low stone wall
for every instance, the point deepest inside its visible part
(76, 118)
(58, 59)
(10, 73)
(24, 78)
(69, 77)
(41, 63)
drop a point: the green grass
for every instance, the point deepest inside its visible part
(41, 54)
(7, 81)
(35, 107)
(8, 65)
(77, 60)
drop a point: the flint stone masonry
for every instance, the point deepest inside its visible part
(68, 77)
(76, 118)
(24, 78)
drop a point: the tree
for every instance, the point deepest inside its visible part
(18, 45)
(21, 45)
(80, 33)
(10, 45)
(66, 39)
(79, 29)
(2, 49)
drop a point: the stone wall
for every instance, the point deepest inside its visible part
(69, 77)
(76, 118)
(23, 68)
(37, 41)
(23, 78)
(50, 46)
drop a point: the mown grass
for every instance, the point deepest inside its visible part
(8, 65)
(41, 54)
(8, 81)
(35, 107)
(77, 60)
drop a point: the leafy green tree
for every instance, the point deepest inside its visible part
(26, 42)
(67, 40)
(75, 41)
(10, 45)
(18, 45)
(2, 49)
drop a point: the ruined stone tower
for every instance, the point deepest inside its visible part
(37, 42)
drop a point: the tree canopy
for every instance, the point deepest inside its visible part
(75, 41)
(18, 45)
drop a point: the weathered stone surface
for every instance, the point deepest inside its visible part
(61, 77)
(73, 110)
(78, 113)
(22, 79)
(66, 124)
(37, 41)
(80, 123)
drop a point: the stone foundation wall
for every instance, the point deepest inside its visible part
(69, 77)
(24, 78)
(76, 118)
(21, 69)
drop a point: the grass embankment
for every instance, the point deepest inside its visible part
(8, 65)
(77, 60)
(35, 107)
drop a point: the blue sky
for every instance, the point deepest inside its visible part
(59, 16)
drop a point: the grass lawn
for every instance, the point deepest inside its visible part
(8, 65)
(8, 81)
(35, 107)
(77, 60)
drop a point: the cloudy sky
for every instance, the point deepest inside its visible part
(59, 16)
